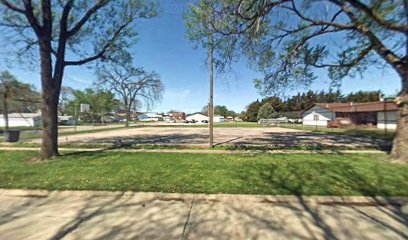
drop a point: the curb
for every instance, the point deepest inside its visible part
(217, 198)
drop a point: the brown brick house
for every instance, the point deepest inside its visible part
(375, 114)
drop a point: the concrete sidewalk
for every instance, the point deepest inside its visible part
(115, 215)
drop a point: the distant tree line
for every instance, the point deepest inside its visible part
(292, 106)
(220, 110)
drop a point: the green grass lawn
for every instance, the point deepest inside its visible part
(307, 174)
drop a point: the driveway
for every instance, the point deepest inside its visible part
(105, 215)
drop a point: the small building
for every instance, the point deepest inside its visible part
(370, 114)
(150, 117)
(22, 120)
(177, 115)
(229, 119)
(197, 117)
(201, 117)
(120, 116)
(66, 120)
(168, 118)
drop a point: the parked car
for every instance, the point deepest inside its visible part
(204, 121)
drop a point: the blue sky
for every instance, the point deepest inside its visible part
(164, 48)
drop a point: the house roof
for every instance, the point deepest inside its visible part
(332, 105)
(357, 107)
(177, 113)
(153, 115)
(198, 114)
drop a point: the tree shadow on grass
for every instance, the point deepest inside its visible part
(296, 180)
(318, 140)
(326, 177)
(120, 216)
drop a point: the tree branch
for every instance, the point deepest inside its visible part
(100, 54)
(351, 63)
(62, 42)
(370, 13)
(386, 53)
(85, 18)
(31, 18)
(12, 7)
(331, 23)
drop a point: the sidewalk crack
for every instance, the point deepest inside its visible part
(183, 236)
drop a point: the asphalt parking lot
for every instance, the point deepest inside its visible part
(191, 136)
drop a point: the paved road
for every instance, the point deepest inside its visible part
(104, 215)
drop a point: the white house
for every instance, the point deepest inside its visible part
(150, 117)
(318, 115)
(22, 120)
(197, 117)
(201, 117)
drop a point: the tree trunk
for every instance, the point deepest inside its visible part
(49, 108)
(127, 117)
(49, 146)
(400, 146)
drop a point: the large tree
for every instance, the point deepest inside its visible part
(68, 33)
(221, 110)
(266, 111)
(251, 114)
(131, 83)
(288, 39)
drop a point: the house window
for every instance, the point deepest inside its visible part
(316, 117)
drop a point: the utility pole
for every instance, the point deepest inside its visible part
(5, 109)
(211, 103)
(75, 118)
